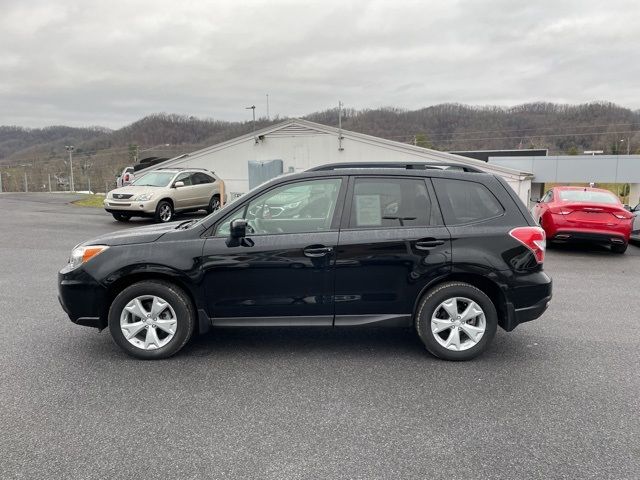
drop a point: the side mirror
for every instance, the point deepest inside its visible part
(178, 184)
(238, 228)
(237, 234)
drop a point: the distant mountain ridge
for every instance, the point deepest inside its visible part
(560, 128)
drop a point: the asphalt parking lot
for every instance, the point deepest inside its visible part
(556, 398)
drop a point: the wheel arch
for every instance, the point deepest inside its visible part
(127, 279)
(167, 199)
(488, 286)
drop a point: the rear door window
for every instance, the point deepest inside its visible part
(464, 201)
(201, 179)
(390, 202)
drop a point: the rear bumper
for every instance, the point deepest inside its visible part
(559, 229)
(82, 298)
(527, 302)
(607, 238)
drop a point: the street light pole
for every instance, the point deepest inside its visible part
(253, 107)
(70, 149)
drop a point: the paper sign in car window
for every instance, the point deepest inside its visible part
(368, 211)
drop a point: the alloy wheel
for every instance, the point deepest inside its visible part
(458, 323)
(165, 212)
(148, 322)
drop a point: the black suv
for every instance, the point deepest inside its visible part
(447, 250)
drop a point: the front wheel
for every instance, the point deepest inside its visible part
(456, 321)
(164, 212)
(151, 319)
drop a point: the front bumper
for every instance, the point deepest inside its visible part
(130, 206)
(82, 298)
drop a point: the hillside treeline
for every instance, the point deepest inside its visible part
(102, 153)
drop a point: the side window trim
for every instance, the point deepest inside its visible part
(337, 212)
(348, 201)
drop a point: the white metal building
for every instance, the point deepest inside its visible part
(300, 144)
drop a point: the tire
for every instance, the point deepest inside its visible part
(618, 248)
(432, 315)
(164, 212)
(150, 338)
(121, 217)
(214, 204)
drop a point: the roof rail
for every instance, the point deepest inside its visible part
(184, 168)
(398, 165)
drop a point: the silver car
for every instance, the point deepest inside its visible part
(163, 192)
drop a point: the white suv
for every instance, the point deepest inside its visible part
(164, 192)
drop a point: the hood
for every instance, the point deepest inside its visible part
(133, 235)
(134, 190)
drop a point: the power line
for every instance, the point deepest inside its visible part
(522, 129)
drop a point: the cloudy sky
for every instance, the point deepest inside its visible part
(108, 63)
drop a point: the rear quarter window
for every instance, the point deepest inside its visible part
(465, 201)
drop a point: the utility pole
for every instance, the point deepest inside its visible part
(340, 147)
(268, 117)
(253, 108)
(70, 149)
(26, 184)
(49, 177)
(1, 182)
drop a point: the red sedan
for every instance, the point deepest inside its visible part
(584, 214)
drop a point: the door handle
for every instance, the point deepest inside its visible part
(315, 251)
(428, 243)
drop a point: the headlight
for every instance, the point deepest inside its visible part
(81, 255)
(144, 197)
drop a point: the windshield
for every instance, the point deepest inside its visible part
(154, 179)
(589, 196)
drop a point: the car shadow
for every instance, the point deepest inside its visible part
(581, 247)
(326, 341)
(143, 221)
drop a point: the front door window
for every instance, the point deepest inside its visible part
(301, 207)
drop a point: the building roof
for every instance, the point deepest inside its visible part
(297, 126)
(576, 168)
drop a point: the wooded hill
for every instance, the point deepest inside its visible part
(560, 128)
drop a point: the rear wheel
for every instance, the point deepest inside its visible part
(456, 321)
(619, 248)
(151, 319)
(164, 212)
(121, 217)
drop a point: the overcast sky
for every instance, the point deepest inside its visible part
(79, 62)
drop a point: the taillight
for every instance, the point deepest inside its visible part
(623, 216)
(560, 211)
(533, 238)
